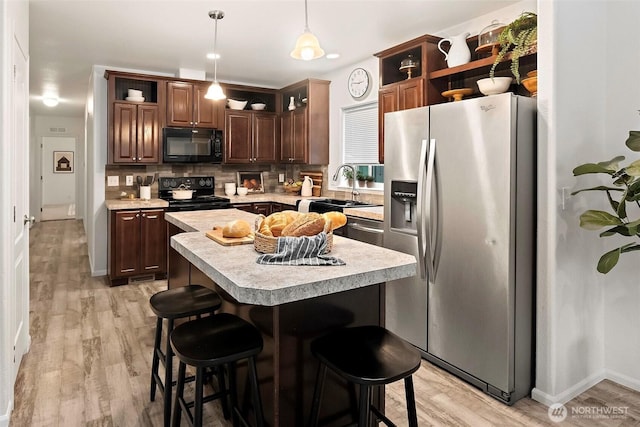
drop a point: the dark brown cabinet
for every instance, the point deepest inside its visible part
(263, 208)
(187, 106)
(134, 127)
(250, 137)
(135, 130)
(137, 244)
(398, 91)
(304, 131)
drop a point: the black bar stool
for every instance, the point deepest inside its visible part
(213, 342)
(186, 301)
(369, 356)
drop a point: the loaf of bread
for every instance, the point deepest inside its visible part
(237, 228)
(273, 225)
(308, 224)
(338, 219)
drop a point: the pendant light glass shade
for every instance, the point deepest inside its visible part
(307, 45)
(215, 91)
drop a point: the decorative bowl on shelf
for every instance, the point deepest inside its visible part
(235, 104)
(457, 94)
(531, 83)
(494, 86)
(258, 106)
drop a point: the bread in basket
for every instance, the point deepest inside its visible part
(268, 244)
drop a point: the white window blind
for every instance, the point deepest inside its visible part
(360, 137)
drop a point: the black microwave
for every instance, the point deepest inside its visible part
(191, 145)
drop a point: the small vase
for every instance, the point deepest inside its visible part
(292, 104)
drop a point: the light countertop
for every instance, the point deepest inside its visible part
(235, 270)
(370, 212)
(124, 204)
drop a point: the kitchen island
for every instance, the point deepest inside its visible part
(290, 305)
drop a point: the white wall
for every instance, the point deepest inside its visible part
(622, 101)
(587, 322)
(43, 126)
(58, 188)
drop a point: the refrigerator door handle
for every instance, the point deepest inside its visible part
(420, 202)
(429, 201)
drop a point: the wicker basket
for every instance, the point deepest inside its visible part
(268, 245)
(292, 188)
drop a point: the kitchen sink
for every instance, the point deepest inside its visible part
(343, 203)
(326, 205)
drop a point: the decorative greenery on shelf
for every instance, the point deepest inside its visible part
(369, 178)
(518, 37)
(347, 173)
(626, 180)
(360, 176)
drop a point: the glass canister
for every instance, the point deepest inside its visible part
(488, 37)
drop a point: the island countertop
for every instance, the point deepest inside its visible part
(235, 270)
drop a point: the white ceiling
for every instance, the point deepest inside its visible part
(254, 38)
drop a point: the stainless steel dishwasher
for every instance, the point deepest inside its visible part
(364, 230)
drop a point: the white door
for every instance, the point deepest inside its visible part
(19, 289)
(58, 178)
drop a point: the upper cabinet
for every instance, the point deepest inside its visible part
(134, 126)
(250, 137)
(187, 106)
(304, 122)
(403, 79)
(415, 73)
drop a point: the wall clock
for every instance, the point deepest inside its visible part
(359, 83)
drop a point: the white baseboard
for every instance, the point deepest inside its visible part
(622, 379)
(573, 391)
(6, 417)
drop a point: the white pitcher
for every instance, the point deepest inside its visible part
(459, 52)
(307, 185)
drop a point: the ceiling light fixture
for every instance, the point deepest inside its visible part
(307, 45)
(215, 90)
(50, 101)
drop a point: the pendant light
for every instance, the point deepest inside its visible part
(215, 90)
(307, 45)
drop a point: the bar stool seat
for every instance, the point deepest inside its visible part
(172, 304)
(210, 342)
(369, 356)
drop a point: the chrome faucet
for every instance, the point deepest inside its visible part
(354, 192)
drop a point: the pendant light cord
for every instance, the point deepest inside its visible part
(306, 17)
(215, 51)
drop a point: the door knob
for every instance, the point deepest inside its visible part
(29, 219)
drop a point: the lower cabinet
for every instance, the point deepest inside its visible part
(263, 208)
(137, 244)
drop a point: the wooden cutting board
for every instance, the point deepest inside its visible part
(216, 236)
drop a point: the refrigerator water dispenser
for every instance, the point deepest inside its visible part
(403, 206)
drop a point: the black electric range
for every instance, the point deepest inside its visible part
(203, 197)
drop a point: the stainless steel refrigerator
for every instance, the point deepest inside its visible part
(460, 196)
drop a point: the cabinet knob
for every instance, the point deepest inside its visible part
(133, 158)
(190, 123)
(137, 215)
(139, 159)
(144, 215)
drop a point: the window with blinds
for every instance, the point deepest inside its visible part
(360, 142)
(360, 138)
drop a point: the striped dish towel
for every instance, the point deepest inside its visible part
(305, 250)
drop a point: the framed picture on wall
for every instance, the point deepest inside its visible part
(63, 162)
(252, 180)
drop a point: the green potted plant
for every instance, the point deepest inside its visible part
(348, 173)
(517, 38)
(370, 181)
(626, 184)
(361, 178)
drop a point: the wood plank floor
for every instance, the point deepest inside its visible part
(90, 358)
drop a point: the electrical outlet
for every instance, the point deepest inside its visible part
(129, 179)
(113, 181)
(281, 177)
